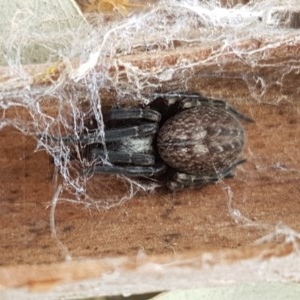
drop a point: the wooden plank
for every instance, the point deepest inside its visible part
(229, 215)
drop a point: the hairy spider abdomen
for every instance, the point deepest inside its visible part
(202, 140)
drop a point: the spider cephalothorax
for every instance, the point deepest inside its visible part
(181, 140)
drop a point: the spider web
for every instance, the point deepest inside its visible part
(91, 66)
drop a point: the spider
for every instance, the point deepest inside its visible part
(180, 139)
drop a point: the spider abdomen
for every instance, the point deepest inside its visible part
(202, 140)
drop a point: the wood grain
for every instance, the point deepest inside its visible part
(262, 198)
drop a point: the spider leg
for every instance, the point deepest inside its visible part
(134, 113)
(128, 144)
(132, 131)
(130, 171)
(194, 100)
(182, 180)
(188, 100)
(129, 149)
(174, 97)
(110, 134)
(120, 157)
(88, 138)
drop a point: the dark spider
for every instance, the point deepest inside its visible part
(181, 140)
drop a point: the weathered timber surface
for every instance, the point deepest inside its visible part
(267, 67)
(265, 190)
